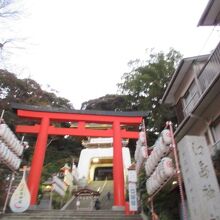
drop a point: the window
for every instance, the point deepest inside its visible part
(179, 110)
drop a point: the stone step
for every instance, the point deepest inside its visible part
(80, 212)
(63, 215)
(71, 217)
(76, 213)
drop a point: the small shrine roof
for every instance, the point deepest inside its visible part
(86, 192)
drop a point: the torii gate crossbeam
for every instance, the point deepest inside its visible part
(46, 116)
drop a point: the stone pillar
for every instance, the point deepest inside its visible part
(202, 189)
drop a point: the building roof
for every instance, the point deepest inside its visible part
(178, 75)
(18, 106)
(211, 14)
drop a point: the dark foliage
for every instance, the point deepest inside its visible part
(145, 86)
(28, 91)
(108, 103)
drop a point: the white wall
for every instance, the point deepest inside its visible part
(88, 154)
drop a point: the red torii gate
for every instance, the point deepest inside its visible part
(47, 115)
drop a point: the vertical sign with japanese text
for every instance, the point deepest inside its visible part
(202, 189)
(133, 206)
(132, 176)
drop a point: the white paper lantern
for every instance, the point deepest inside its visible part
(7, 136)
(3, 130)
(142, 137)
(149, 166)
(18, 163)
(20, 149)
(2, 148)
(4, 153)
(13, 144)
(166, 168)
(137, 150)
(148, 187)
(155, 181)
(7, 156)
(13, 162)
(157, 153)
(144, 151)
(146, 167)
(163, 148)
(166, 136)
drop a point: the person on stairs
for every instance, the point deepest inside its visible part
(108, 195)
(97, 204)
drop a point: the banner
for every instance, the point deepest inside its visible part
(20, 199)
(133, 206)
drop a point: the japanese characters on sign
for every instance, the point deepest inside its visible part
(202, 190)
(132, 176)
(20, 199)
(133, 206)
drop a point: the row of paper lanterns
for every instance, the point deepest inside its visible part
(160, 149)
(12, 142)
(10, 148)
(157, 167)
(141, 150)
(163, 171)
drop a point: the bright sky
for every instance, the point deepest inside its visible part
(81, 47)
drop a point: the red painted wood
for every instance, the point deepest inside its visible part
(75, 131)
(79, 117)
(38, 160)
(118, 168)
(28, 129)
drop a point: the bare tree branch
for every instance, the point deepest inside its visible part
(5, 42)
(6, 10)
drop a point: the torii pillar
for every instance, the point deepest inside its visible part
(38, 160)
(118, 168)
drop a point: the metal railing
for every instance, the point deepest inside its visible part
(211, 70)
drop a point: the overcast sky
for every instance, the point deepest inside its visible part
(81, 47)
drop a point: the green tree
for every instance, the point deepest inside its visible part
(107, 103)
(27, 91)
(145, 84)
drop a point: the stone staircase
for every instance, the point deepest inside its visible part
(70, 214)
(106, 186)
(103, 187)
